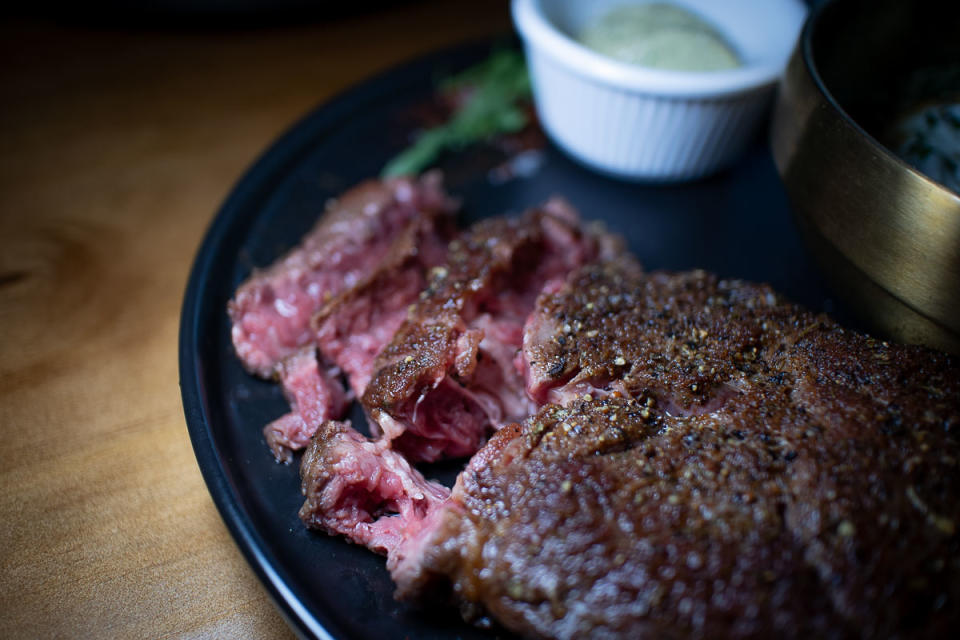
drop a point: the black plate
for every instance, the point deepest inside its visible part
(736, 224)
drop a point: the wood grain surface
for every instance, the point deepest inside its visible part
(117, 146)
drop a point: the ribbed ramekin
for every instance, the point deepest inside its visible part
(650, 124)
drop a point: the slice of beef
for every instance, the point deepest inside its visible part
(271, 311)
(354, 327)
(359, 268)
(366, 492)
(734, 467)
(448, 377)
(315, 394)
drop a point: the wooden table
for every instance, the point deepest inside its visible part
(116, 148)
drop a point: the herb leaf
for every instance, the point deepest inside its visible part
(497, 88)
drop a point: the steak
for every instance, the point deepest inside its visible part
(315, 395)
(710, 461)
(365, 491)
(449, 377)
(687, 339)
(672, 454)
(271, 311)
(734, 466)
(331, 304)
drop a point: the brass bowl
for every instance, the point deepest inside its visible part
(886, 236)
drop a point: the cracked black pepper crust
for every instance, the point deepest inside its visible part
(422, 349)
(818, 498)
(494, 255)
(684, 333)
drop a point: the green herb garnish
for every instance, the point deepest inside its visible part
(499, 87)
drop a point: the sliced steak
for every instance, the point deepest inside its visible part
(366, 492)
(271, 311)
(354, 327)
(315, 394)
(448, 378)
(359, 268)
(734, 467)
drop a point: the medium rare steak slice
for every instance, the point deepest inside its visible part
(314, 393)
(366, 492)
(360, 267)
(271, 311)
(355, 326)
(448, 377)
(734, 467)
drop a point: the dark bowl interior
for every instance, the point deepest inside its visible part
(878, 59)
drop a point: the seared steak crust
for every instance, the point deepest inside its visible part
(687, 335)
(354, 326)
(725, 465)
(448, 376)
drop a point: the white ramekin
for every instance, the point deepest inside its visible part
(650, 124)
